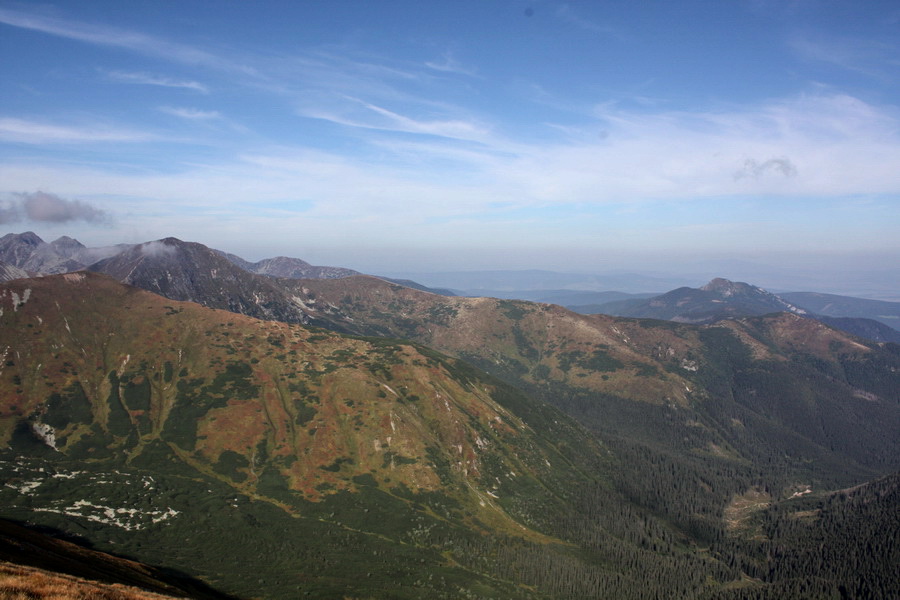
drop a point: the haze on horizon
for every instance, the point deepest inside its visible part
(410, 136)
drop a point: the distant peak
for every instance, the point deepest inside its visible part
(29, 237)
(66, 242)
(718, 284)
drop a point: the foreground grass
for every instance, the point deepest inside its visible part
(28, 583)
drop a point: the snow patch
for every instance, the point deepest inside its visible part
(129, 519)
(46, 433)
(689, 365)
(26, 487)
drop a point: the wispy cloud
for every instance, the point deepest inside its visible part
(449, 64)
(811, 146)
(120, 38)
(372, 116)
(157, 80)
(35, 132)
(566, 13)
(872, 58)
(353, 89)
(824, 145)
(191, 114)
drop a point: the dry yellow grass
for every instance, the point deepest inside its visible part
(28, 583)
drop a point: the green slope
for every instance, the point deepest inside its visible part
(274, 460)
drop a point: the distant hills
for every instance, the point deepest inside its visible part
(716, 300)
(524, 284)
(873, 281)
(723, 299)
(830, 305)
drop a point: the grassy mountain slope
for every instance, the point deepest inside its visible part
(273, 460)
(696, 415)
(778, 389)
(19, 582)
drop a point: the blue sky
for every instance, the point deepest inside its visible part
(394, 135)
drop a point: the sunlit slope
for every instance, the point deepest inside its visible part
(757, 389)
(271, 459)
(98, 369)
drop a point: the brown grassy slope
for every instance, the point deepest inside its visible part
(34, 554)
(29, 583)
(314, 407)
(542, 343)
(641, 360)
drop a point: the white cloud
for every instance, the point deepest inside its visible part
(157, 80)
(832, 145)
(825, 146)
(120, 38)
(34, 132)
(192, 114)
(449, 64)
(377, 117)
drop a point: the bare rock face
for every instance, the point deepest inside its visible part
(9, 272)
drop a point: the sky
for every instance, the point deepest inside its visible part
(399, 136)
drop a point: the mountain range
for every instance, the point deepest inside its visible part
(723, 299)
(192, 272)
(355, 437)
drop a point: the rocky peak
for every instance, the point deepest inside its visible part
(727, 288)
(29, 237)
(17, 248)
(67, 244)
